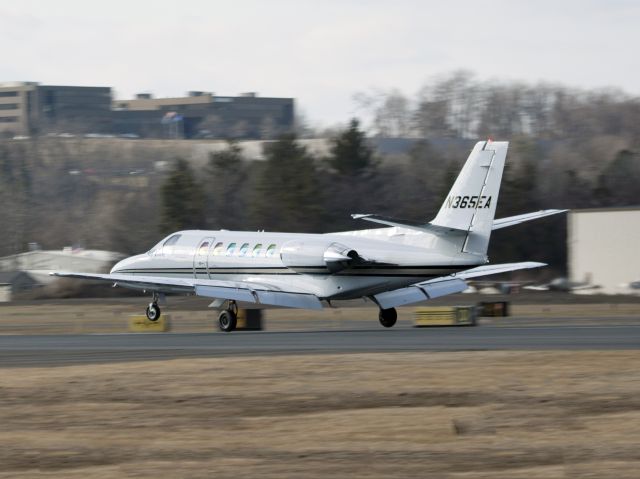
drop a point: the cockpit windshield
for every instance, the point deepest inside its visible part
(165, 245)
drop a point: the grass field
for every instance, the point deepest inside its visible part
(438, 415)
(110, 315)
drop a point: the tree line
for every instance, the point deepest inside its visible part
(568, 149)
(458, 105)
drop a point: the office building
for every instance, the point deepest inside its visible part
(28, 108)
(204, 115)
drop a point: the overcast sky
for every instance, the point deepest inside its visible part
(320, 52)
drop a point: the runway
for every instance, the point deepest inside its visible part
(59, 350)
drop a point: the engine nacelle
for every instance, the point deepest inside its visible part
(305, 256)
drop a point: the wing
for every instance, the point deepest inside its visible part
(514, 220)
(434, 288)
(249, 292)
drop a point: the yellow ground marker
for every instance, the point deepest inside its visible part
(138, 323)
(445, 316)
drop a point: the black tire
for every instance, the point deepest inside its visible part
(228, 321)
(388, 317)
(153, 312)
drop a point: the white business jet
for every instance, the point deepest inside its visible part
(402, 263)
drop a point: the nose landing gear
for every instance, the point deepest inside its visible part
(153, 310)
(228, 318)
(388, 317)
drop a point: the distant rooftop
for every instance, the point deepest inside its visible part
(16, 84)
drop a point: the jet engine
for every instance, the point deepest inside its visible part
(305, 256)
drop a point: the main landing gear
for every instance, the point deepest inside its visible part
(228, 318)
(388, 317)
(153, 310)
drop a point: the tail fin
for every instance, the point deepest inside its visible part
(471, 203)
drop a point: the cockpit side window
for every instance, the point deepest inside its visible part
(166, 247)
(172, 240)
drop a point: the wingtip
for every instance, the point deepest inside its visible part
(536, 264)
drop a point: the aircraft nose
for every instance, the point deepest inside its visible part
(122, 265)
(117, 267)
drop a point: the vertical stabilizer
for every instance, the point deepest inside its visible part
(471, 203)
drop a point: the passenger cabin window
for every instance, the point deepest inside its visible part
(218, 249)
(204, 247)
(257, 249)
(271, 250)
(243, 249)
(231, 248)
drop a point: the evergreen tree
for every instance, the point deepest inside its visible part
(287, 194)
(350, 154)
(617, 184)
(226, 186)
(182, 200)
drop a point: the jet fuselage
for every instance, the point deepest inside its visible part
(302, 261)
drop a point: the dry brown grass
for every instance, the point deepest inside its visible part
(438, 415)
(192, 315)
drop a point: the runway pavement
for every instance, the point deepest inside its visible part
(58, 350)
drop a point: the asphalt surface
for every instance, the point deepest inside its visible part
(59, 350)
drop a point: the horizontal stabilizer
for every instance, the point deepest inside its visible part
(514, 220)
(412, 225)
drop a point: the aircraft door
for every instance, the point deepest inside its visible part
(200, 267)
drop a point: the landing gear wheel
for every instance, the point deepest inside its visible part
(228, 320)
(153, 312)
(388, 317)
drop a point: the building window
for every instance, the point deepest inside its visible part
(271, 250)
(219, 248)
(8, 93)
(9, 106)
(257, 249)
(231, 249)
(8, 119)
(243, 249)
